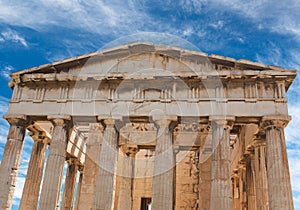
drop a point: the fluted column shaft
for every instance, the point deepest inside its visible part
(91, 167)
(250, 179)
(49, 199)
(221, 186)
(279, 186)
(106, 177)
(127, 176)
(78, 194)
(164, 165)
(70, 184)
(11, 161)
(260, 171)
(34, 175)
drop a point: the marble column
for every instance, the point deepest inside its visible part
(49, 199)
(260, 171)
(250, 179)
(221, 186)
(11, 159)
(236, 193)
(91, 167)
(106, 177)
(34, 175)
(78, 194)
(127, 176)
(70, 184)
(279, 185)
(164, 166)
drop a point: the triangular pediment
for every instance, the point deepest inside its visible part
(133, 57)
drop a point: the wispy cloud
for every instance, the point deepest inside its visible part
(13, 36)
(283, 19)
(94, 16)
(6, 71)
(131, 16)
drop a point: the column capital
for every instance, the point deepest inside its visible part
(97, 126)
(222, 120)
(19, 119)
(38, 136)
(258, 142)
(164, 121)
(130, 149)
(109, 122)
(72, 161)
(59, 120)
(272, 121)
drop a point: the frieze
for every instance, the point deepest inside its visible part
(192, 127)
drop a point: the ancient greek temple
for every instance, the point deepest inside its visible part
(143, 126)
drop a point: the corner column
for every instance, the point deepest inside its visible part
(127, 176)
(34, 175)
(164, 166)
(221, 186)
(106, 177)
(49, 199)
(70, 184)
(279, 185)
(11, 159)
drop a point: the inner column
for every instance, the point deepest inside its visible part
(70, 184)
(55, 164)
(105, 181)
(164, 165)
(260, 171)
(127, 176)
(91, 167)
(34, 174)
(221, 186)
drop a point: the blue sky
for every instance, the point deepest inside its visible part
(37, 32)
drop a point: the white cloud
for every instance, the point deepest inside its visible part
(279, 16)
(217, 25)
(6, 71)
(292, 130)
(93, 16)
(3, 124)
(192, 5)
(297, 201)
(18, 190)
(11, 35)
(188, 31)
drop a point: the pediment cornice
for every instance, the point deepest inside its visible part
(205, 65)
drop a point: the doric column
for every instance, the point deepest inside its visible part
(260, 171)
(242, 187)
(236, 193)
(11, 159)
(55, 164)
(164, 166)
(127, 176)
(91, 167)
(70, 184)
(78, 194)
(106, 177)
(250, 179)
(34, 174)
(279, 186)
(221, 186)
